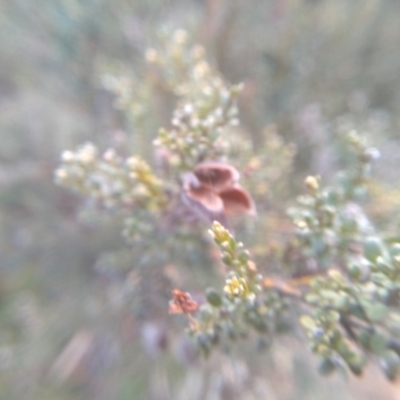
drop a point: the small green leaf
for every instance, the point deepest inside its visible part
(336, 299)
(373, 248)
(364, 338)
(377, 343)
(376, 312)
(227, 260)
(243, 257)
(355, 362)
(213, 297)
(356, 310)
(332, 316)
(232, 244)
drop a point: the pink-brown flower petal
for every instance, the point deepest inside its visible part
(216, 175)
(237, 201)
(207, 198)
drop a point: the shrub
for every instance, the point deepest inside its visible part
(332, 272)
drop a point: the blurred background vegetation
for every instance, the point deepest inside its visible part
(311, 69)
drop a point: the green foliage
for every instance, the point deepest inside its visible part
(114, 182)
(243, 307)
(73, 72)
(350, 302)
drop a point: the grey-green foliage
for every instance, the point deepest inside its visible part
(361, 287)
(348, 297)
(350, 302)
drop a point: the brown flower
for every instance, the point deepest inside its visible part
(212, 190)
(216, 175)
(237, 201)
(207, 198)
(182, 303)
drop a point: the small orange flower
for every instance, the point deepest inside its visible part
(182, 303)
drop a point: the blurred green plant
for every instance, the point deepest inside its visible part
(316, 69)
(349, 295)
(338, 274)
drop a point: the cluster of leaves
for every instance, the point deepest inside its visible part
(350, 276)
(207, 107)
(355, 307)
(113, 181)
(243, 307)
(329, 221)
